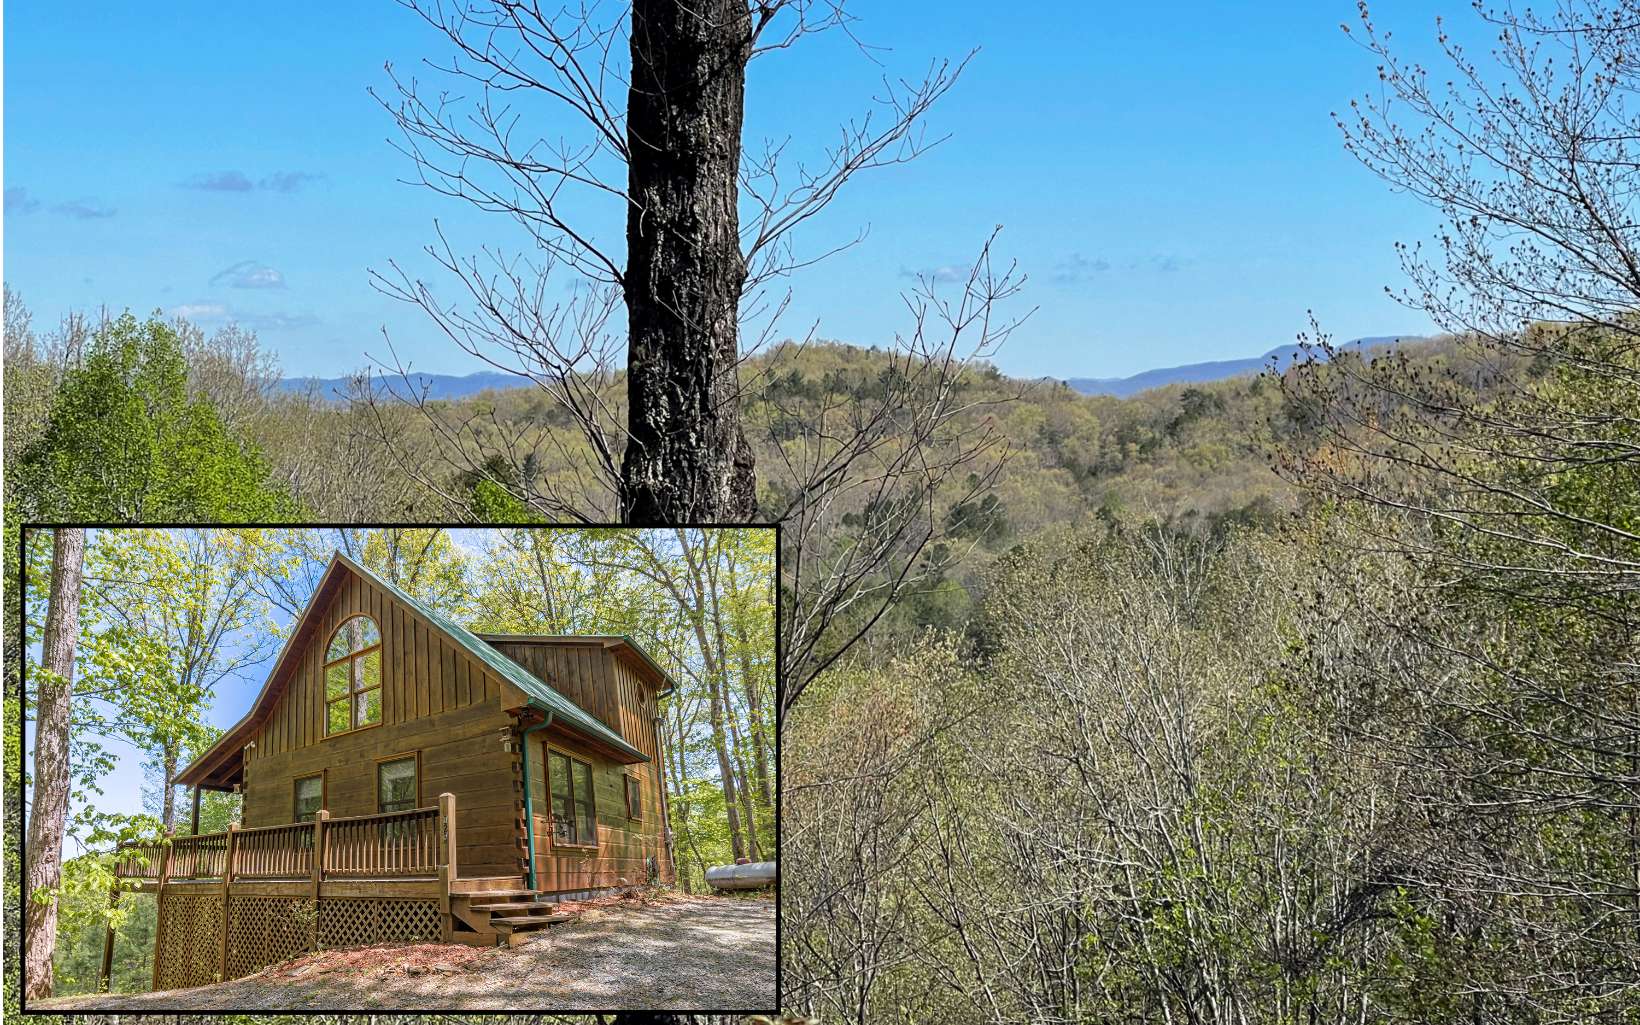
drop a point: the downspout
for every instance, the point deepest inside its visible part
(666, 811)
(529, 808)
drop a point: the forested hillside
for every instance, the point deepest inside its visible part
(1298, 698)
(1174, 453)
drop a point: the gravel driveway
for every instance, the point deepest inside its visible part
(674, 953)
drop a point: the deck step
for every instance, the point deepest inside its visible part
(476, 939)
(485, 885)
(511, 923)
(520, 905)
(495, 895)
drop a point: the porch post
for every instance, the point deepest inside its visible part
(446, 861)
(319, 818)
(159, 906)
(227, 879)
(196, 811)
(103, 980)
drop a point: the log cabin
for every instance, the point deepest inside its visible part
(404, 778)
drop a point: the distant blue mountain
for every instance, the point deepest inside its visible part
(1196, 373)
(438, 386)
(452, 386)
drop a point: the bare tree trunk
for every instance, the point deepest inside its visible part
(726, 769)
(677, 743)
(748, 679)
(717, 683)
(757, 729)
(686, 459)
(50, 805)
(168, 810)
(737, 746)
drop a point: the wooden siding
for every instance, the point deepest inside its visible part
(436, 700)
(582, 672)
(593, 677)
(451, 710)
(624, 844)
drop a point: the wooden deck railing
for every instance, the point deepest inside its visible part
(140, 860)
(199, 857)
(401, 844)
(274, 852)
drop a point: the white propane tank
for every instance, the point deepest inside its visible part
(750, 876)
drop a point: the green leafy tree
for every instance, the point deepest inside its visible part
(174, 614)
(124, 440)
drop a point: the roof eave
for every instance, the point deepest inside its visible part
(611, 741)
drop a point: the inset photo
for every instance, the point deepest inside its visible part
(400, 769)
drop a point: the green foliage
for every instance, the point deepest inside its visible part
(701, 603)
(124, 440)
(423, 561)
(82, 926)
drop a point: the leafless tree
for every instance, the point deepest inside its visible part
(889, 460)
(549, 140)
(1503, 467)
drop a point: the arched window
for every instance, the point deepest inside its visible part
(353, 676)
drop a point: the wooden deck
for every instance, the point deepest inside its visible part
(232, 903)
(404, 845)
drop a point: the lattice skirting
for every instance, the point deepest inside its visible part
(357, 922)
(189, 941)
(267, 930)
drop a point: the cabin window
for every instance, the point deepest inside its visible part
(310, 797)
(574, 816)
(634, 798)
(396, 784)
(353, 676)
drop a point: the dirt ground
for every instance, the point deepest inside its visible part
(660, 953)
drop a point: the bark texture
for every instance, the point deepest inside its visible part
(687, 459)
(726, 771)
(169, 758)
(49, 810)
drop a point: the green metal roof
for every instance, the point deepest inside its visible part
(541, 694)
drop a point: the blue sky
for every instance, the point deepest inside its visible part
(1173, 185)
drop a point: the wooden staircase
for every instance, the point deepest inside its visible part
(501, 913)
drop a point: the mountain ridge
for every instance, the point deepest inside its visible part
(1214, 370)
(457, 386)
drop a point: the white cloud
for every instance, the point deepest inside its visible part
(249, 274)
(199, 311)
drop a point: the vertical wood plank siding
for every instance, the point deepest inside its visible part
(459, 736)
(594, 678)
(452, 709)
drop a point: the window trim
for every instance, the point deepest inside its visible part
(376, 774)
(634, 796)
(352, 695)
(552, 810)
(323, 776)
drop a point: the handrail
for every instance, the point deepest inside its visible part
(415, 842)
(243, 830)
(392, 844)
(379, 815)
